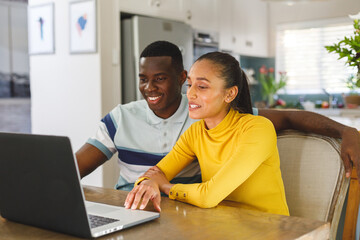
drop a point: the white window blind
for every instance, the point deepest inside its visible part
(301, 53)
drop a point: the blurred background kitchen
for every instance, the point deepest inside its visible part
(65, 93)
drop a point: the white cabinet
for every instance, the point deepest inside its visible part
(170, 9)
(201, 14)
(242, 24)
(226, 37)
(243, 27)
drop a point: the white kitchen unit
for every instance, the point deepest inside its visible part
(227, 39)
(243, 27)
(170, 9)
(202, 14)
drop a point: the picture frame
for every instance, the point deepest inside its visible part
(82, 27)
(41, 29)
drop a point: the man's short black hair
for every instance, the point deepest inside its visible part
(165, 49)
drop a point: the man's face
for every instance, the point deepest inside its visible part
(160, 85)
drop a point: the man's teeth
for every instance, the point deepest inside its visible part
(194, 106)
(153, 98)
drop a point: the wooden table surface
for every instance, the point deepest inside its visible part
(183, 221)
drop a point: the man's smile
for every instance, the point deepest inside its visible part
(154, 99)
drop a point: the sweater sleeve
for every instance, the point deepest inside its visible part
(257, 142)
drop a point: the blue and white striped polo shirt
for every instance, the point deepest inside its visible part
(142, 139)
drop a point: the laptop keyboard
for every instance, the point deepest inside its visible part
(97, 221)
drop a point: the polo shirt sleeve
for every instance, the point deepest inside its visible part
(104, 137)
(256, 144)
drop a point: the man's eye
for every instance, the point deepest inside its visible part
(160, 78)
(142, 79)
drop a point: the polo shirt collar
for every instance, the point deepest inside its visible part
(179, 116)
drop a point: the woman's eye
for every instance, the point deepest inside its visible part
(202, 87)
(188, 85)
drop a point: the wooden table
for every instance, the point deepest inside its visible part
(183, 221)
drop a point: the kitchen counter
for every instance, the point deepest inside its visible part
(349, 117)
(338, 112)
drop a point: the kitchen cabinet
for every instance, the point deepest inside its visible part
(226, 38)
(202, 14)
(243, 27)
(169, 9)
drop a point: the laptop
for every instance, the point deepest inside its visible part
(40, 186)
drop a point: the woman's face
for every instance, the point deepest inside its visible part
(208, 98)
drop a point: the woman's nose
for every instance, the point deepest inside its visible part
(190, 92)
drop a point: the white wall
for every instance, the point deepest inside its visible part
(283, 13)
(67, 89)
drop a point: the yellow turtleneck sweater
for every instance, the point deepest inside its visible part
(239, 161)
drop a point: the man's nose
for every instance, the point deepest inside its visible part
(150, 86)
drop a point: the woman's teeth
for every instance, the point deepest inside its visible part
(194, 106)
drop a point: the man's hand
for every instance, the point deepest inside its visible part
(350, 150)
(146, 190)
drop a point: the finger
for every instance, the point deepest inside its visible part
(357, 165)
(130, 197)
(147, 196)
(347, 164)
(138, 197)
(156, 202)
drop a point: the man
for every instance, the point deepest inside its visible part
(143, 132)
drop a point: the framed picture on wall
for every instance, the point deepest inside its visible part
(83, 26)
(41, 29)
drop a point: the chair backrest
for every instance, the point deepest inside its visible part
(313, 175)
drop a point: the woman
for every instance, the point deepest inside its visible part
(236, 151)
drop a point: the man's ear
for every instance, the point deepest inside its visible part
(182, 77)
(231, 94)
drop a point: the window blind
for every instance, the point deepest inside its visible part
(300, 51)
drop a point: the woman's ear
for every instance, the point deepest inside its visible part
(231, 94)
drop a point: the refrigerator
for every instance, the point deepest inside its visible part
(136, 33)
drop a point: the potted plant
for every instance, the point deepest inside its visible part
(349, 48)
(269, 86)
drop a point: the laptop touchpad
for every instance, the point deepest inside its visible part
(93, 208)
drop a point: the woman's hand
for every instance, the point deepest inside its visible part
(146, 190)
(155, 174)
